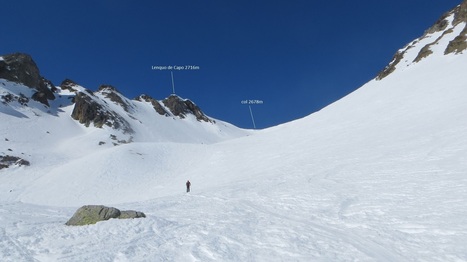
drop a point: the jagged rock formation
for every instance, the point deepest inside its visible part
(106, 107)
(7, 161)
(88, 215)
(181, 107)
(20, 68)
(88, 110)
(446, 29)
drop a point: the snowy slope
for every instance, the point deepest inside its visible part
(378, 176)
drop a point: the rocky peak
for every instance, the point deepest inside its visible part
(107, 88)
(69, 85)
(181, 107)
(21, 68)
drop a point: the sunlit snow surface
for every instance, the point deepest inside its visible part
(380, 175)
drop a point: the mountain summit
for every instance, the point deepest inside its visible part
(20, 68)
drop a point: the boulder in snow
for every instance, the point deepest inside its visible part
(87, 215)
(131, 214)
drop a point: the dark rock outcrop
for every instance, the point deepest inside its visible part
(391, 67)
(9, 97)
(460, 13)
(20, 68)
(181, 107)
(155, 104)
(88, 215)
(87, 110)
(439, 25)
(458, 44)
(7, 161)
(424, 52)
(112, 93)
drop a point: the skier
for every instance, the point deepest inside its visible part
(188, 184)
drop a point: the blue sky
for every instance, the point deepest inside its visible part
(296, 56)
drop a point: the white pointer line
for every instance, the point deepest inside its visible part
(252, 118)
(173, 85)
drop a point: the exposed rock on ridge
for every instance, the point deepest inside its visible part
(21, 68)
(69, 85)
(180, 107)
(112, 93)
(458, 44)
(446, 25)
(460, 13)
(88, 110)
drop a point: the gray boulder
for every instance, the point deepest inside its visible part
(88, 215)
(131, 214)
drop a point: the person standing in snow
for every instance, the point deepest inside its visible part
(188, 184)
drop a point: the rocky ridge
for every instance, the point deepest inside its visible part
(449, 32)
(90, 108)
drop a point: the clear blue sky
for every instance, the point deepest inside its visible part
(297, 56)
